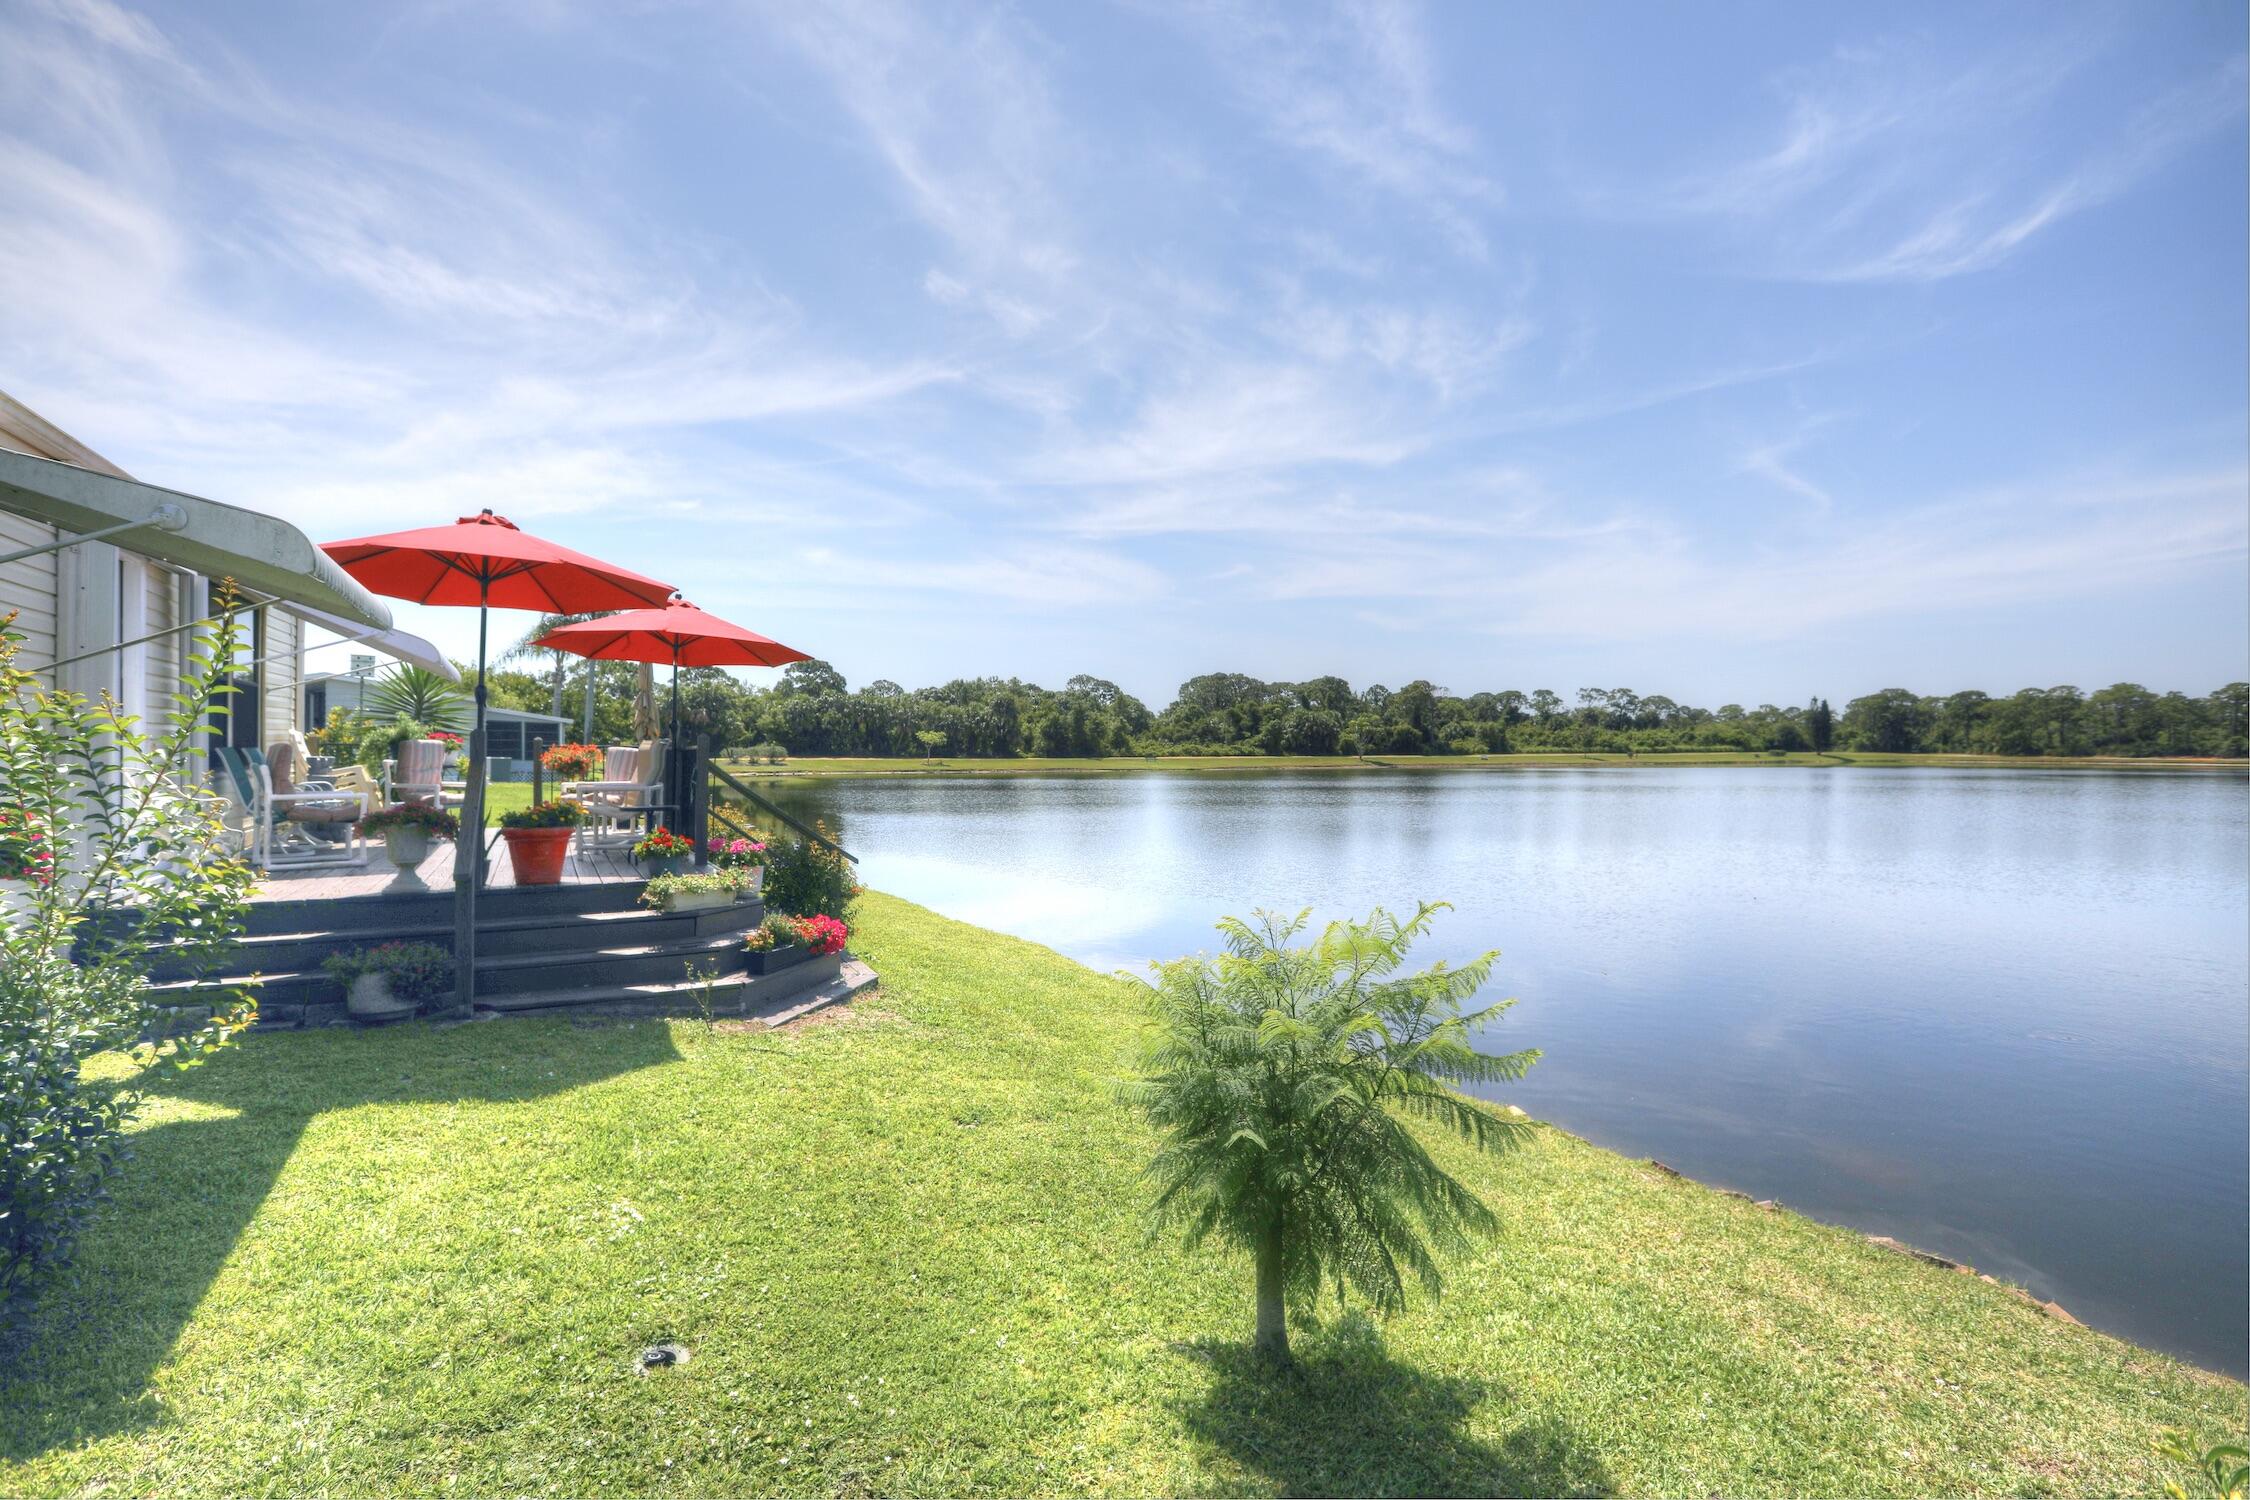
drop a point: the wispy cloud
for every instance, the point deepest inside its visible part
(1353, 85)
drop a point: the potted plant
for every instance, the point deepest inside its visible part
(746, 857)
(538, 837)
(572, 762)
(391, 981)
(712, 888)
(780, 941)
(406, 831)
(773, 945)
(663, 852)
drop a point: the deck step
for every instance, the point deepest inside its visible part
(285, 951)
(777, 997)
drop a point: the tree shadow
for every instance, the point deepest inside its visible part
(1350, 1420)
(78, 1364)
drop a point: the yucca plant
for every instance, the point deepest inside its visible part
(405, 691)
(1287, 1081)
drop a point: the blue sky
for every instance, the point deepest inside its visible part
(1735, 353)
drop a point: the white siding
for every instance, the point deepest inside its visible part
(284, 652)
(27, 586)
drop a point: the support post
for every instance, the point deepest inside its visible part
(697, 787)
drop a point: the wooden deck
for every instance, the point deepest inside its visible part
(334, 882)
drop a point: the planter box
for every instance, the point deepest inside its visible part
(774, 960)
(698, 901)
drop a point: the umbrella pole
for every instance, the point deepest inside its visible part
(468, 874)
(676, 780)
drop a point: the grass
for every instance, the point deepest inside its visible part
(1529, 760)
(902, 1247)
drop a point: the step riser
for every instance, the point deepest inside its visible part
(360, 913)
(734, 995)
(572, 934)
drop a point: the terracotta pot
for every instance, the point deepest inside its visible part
(536, 854)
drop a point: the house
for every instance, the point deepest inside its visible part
(119, 616)
(509, 733)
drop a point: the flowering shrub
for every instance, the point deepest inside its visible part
(730, 853)
(573, 762)
(436, 822)
(561, 813)
(822, 935)
(448, 738)
(24, 851)
(663, 843)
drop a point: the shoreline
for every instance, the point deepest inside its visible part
(837, 767)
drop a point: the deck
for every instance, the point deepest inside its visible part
(596, 866)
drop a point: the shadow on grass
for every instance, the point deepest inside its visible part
(1350, 1420)
(78, 1366)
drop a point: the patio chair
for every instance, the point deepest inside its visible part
(278, 814)
(632, 782)
(417, 776)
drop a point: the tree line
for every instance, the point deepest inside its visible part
(813, 711)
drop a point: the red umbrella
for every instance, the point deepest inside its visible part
(485, 561)
(678, 633)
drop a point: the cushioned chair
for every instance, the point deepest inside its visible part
(417, 776)
(278, 815)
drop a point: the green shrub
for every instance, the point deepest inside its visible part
(133, 860)
(807, 879)
(379, 740)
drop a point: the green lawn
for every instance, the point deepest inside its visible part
(901, 1245)
(1529, 760)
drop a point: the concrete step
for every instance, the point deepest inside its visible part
(496, 903)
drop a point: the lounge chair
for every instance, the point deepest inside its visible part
(279, 815)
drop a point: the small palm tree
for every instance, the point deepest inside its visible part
(409, 692)
(1286, 1080)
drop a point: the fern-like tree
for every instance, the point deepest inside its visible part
(558, 662)
(1287, 1082)
(405, 691)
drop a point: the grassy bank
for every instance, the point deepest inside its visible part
(1535, 760)
(901, 1245)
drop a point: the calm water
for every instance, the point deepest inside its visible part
(2001, 1015)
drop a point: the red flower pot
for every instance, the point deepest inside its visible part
(536, 854)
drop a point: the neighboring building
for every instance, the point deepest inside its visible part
(509, 733)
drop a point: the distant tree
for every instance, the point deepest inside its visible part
(1888, 721)
(1285, 1081)
(1820, 725)
(933, 740)
(814, 678)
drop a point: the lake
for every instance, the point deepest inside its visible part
(2001, 1015)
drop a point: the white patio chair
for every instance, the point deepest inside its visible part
(417, 776)
(632, 781)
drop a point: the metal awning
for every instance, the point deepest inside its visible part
(267, 557)
(399, 645)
